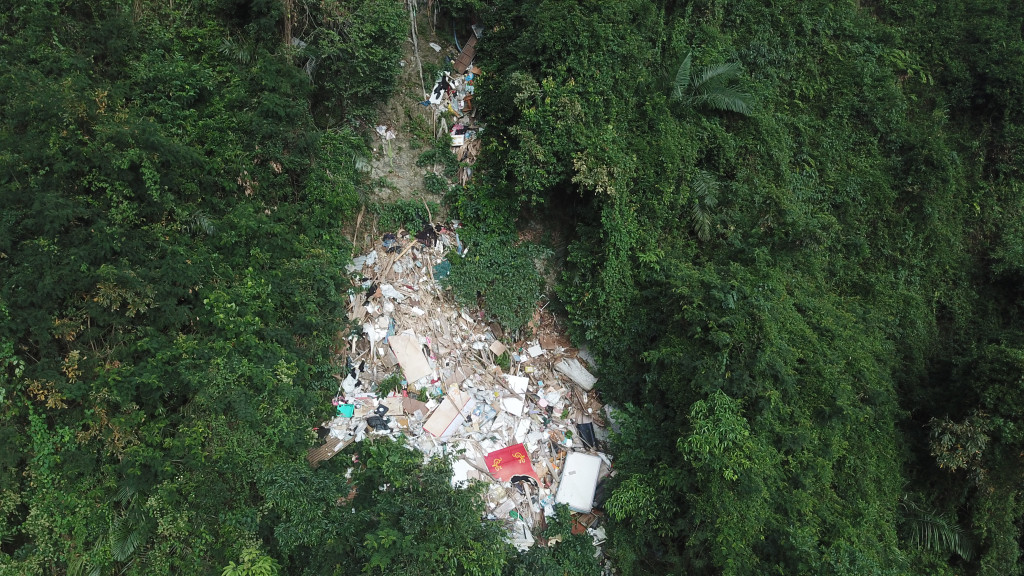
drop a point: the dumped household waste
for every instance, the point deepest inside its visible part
(452, 96)
(427, 369)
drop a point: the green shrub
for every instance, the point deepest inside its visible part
(441, 154)
(479, 207)
(419, 130)
(500, 269)
(573, 555)
(392, 383)
(504, 361)
(435, 184)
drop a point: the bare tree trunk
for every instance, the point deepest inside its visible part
(416, 43)
(289, 5)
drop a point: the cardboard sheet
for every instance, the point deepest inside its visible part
(406, 348)
(498, 348)
(411, 405)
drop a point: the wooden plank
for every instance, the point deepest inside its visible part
(325, 452)
(466, 56)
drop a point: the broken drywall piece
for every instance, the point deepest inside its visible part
(460, 473)
(513, 406)
(394, 405)
(523, 429)
(518, 384)
(572, 368)
(502, 509)
(388, 291)
(521, 536)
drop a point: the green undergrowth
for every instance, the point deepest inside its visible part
(410, 215)
(440, 154)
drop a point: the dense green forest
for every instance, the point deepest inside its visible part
(797, 254)
(798, 258)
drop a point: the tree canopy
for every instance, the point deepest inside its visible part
(808, 310)
(797, 252)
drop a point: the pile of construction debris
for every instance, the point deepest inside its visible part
(520, 415)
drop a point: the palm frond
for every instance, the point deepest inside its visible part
(202, 221)
(701, 219)
(125, 493)
(240, 51)
(727, 100)
(705, 187)
(77, 566)
(682, 80)
(194, 223)
(705, 197)
(927, 528)
(717, 75)
(127, 534)
(711, 87)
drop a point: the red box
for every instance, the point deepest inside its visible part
(512, 461)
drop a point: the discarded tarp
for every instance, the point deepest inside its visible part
(508, 462)
(579, 481)
(572, 368)
(585, 431)
(406, 347)
(441, 88)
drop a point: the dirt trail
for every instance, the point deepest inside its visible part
(394, 173)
